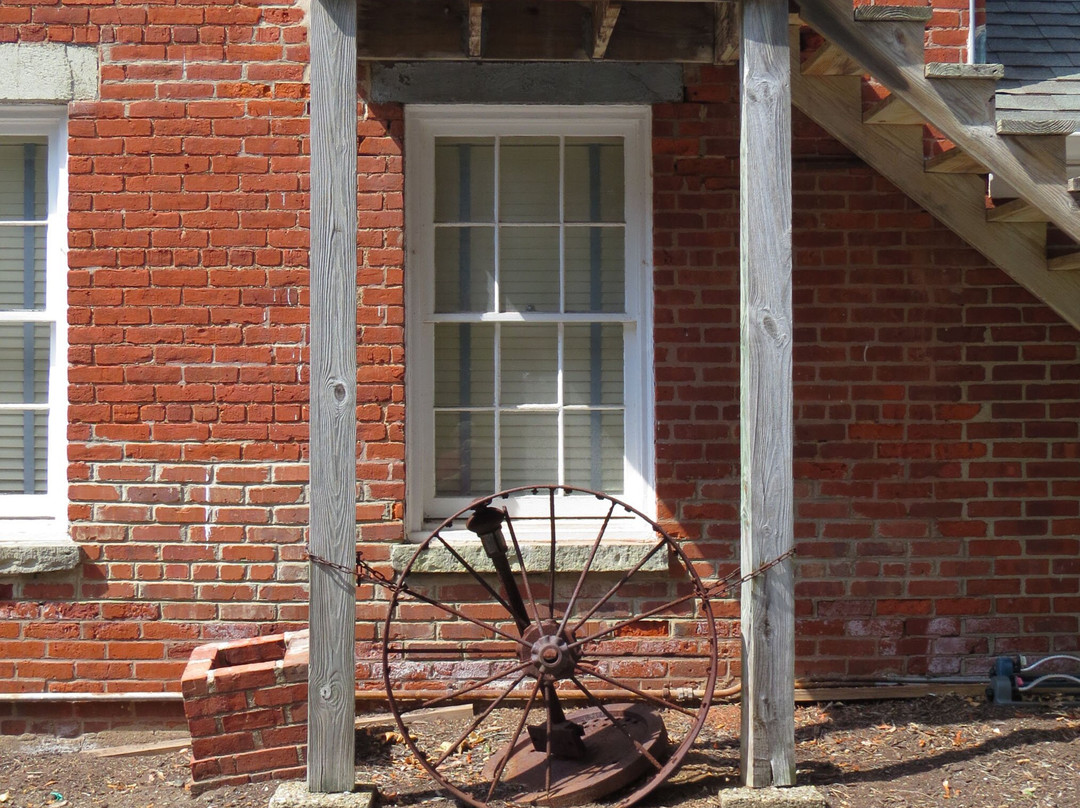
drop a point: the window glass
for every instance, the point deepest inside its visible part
(595, 269)
(594, 180)
(464, 269)
(529, 269)
(529, 179)
(464, 180)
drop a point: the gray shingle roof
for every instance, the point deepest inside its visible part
(1038, 41)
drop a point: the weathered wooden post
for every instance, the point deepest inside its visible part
(332, 613)
(768, 616)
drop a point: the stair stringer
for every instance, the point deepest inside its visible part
(956, 200)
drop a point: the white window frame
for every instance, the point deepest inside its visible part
(25, 518)
(424, 123)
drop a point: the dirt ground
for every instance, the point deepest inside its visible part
(947, 752)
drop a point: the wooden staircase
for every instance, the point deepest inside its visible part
(886, 43)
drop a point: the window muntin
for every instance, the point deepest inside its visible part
(32, 314)
(528, 314)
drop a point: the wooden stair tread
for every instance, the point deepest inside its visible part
(1074, 188)
(953, 70)
(1025, 126)
(893, 13)
(892, 109)
(829, 60)
(955, 161)
(1016, 210)
(1064, 263)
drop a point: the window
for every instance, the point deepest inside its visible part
(529, 304)
(33, 299)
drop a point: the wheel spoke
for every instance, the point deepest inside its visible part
(630, 621)
(477, 722)
(551, 561)
(469, 568)
(641, 694)
(513, 741)
(474, 686)
(463, 616)
(611, 592)
(524, 573)
(615, 722)
(585, 570)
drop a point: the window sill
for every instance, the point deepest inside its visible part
(615, 556)
(29, 547)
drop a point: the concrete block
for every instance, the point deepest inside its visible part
(48, 71)
(295, 794)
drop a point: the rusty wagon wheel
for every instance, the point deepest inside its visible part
(579, 631)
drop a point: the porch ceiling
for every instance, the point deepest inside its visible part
(688, 31)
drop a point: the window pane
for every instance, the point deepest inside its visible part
(24, 363)
(23, 189)
(464, 269)
(23, 452)
(529, 179)
(464, 453)
(527, 444)
(529, 364)
(595, 269)
(464, 365)
(22, 267)
(594, 450)
(464, 180)
(529, 269)
(594, 180)
(594, 364)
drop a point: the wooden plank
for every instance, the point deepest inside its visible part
(1049, 127)
(1034, 176)
(870, 693)
(954, 161)
(956, 200)
(1065, 263)
(332, 612)
(958, 70)
(132, 750)
(1016, 210)
(893, 13)
(476, 28)
(726, 33)
(829, 60)
(768, 616)
(452, 713)
(605, 14)
(1073, 185)
(893, 110)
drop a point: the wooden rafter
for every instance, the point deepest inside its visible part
(726, 42)
(605, 14)
(476, 25)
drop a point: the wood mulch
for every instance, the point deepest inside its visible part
(935, 752)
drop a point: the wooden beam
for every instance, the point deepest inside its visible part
(476, 26)
(726, 39)
(768, 603)
(1074, 188)
(332, 612)
(604, 15)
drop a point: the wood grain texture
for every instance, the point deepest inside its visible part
(476, 28)
(956, 200)
(768, 617)
(893, 13)
(1016, 210)
(726, 37)
(893, 110)
(956, 70)
(332, 614)
(954, 161)
(829, 60)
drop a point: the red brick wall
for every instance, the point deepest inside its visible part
(937, 446)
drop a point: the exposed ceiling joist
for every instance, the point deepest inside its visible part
(476, 25)
(605, 14)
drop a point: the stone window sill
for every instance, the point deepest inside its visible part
(616, 556)
(29, 547)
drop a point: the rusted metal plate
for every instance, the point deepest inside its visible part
(612, 759)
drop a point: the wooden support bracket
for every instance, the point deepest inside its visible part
(726, 28)
(1065, 263)
(829, 60)
(955, 161)
(1016, 210)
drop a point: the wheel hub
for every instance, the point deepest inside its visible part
(549, 651)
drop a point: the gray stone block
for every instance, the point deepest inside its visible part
(797, 797)
(295, 794)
